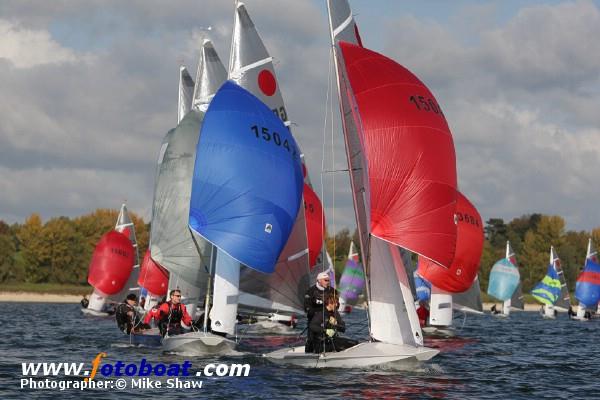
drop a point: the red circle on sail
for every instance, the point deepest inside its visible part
(266, 82)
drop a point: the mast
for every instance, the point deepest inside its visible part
(364, 245)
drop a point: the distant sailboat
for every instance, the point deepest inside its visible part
(552, 291)
(462, 274)
(505, 283)
(404, 192)
(114, 267)
(587, 288)
(352, 281)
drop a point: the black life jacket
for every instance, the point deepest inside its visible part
(123, 320)
(175, 314)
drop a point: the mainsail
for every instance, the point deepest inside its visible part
(186, 93)
(172, 245)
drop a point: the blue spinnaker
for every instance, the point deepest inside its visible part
(587, 288)
(504, 280)
(247, 184)
(423, 288)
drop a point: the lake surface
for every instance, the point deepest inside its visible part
(521, 357)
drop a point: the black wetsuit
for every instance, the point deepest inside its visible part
(318, 332)
(124, 321)
(313, 300)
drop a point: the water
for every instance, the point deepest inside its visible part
(520, 357)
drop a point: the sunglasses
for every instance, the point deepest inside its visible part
(176, 295)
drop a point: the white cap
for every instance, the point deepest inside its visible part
(323, 275)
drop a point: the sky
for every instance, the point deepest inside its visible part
(89, 89)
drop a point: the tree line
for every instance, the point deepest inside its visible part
(60, 250)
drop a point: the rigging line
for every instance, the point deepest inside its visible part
(327, 101)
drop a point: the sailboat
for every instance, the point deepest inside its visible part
(274, 299)
(587, 288)
(111, 275)
(462, 274)
(552, 291)
(171, 244)
(246, 192)
(505, 283)
(403, 178)
(352, 281)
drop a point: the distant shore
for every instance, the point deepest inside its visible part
(30, 297)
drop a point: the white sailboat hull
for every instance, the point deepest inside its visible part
(94, 313)
(267, 327)
(198, 343)
(362, 355)
(439, 331)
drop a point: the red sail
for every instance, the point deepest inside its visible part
(153, 277)
(112, 263)
(469, 245)
(410, 155)
(315, 223)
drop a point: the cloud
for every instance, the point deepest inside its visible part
(520, 102)
(90, 89)
(26, 48)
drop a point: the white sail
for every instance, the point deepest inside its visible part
(440, 308)
(172, 244)
(186, 91)
(470, 300)
(225, 295)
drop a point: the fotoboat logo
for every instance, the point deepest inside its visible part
(120, 375)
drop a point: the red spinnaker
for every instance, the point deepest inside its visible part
(112, 263)
(469, 245)
(410, 155)
(315, 224)
(153, 277)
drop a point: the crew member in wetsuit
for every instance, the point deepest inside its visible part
(324, 328)
(423, 313)
(85, 302)
(126, 316)
(172, 314)
(313, 302)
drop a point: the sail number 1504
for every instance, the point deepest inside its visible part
(272, 136)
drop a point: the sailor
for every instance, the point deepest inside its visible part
(324, 328)
(423, 313)
(313, 302)
(154, 312)
(493, 310)
(313, 299)
(125, 314)
(172, 314)
(85, 302)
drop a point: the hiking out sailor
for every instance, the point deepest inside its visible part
(172, 314)
(324, 328)
(126, 316)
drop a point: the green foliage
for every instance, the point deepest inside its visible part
(60, 250)
(530, 237)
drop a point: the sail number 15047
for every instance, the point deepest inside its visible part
(267, 135)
